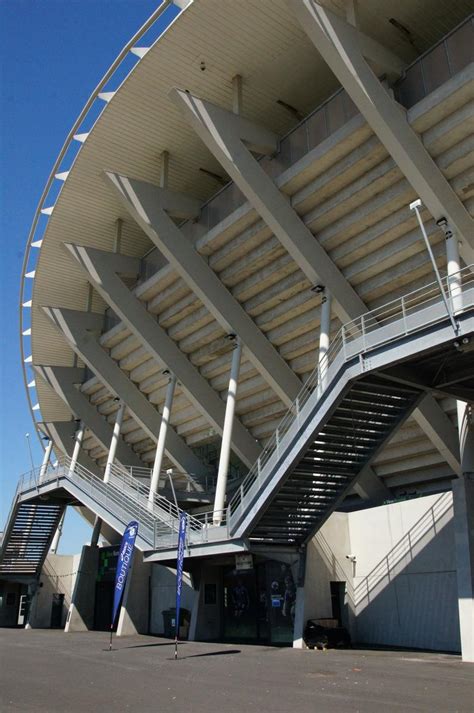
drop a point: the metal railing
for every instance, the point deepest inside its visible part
(439, 63)
(29, 264)
(407, 314)
(123, 496)
(159, 518)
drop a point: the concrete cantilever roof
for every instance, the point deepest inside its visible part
(263, 43)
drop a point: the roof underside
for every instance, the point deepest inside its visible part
(358, 211)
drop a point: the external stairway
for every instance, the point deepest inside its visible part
(376, 370)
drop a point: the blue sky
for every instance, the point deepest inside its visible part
(52, 55)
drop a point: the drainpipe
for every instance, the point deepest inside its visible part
(227, 433)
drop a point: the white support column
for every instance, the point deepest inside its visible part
(160, 446)
(114, 442)
(57, 535)
(324, 334)
(454, 265)
(77, 447)
(103, 271)
(227, 434)
(46, 457)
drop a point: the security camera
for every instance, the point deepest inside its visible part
(352, 558)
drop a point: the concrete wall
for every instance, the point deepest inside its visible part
(58, 576)
(401, 590)
(405, 577)
(81, 610)
(134, 611)
(325, 563)
(163, 595)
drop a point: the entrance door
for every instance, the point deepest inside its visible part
(57, 608)
(104, 596)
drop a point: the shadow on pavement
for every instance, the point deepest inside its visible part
(147, 646)
(213, 653)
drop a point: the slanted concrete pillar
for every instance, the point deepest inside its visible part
(114, 442)
(46, 457)
(463, 501)
(227, 434)
(324, 334)
(160, 446)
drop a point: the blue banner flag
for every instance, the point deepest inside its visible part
(179, 568)
(123, 565)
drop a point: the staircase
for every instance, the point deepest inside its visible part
(364, 419)
(27, 538)
(346, 411)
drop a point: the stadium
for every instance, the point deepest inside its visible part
(248, 295)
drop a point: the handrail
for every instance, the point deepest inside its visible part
(134, 503)
(164, 5)
(361, 331)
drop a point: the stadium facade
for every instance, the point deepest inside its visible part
(248, 294)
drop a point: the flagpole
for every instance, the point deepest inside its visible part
(110, 642)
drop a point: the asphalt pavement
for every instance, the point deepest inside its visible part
(50, 671)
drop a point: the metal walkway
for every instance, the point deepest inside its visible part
(376, 370)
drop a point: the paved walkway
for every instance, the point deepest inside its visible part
(49, 671)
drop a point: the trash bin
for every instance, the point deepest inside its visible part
(169, 622)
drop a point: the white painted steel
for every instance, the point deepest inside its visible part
(46, 457)
(114, 442)
(160, 446)
(221, 487)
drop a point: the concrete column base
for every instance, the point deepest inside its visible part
(80, 616)
(134, 611)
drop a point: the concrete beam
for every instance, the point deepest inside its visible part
(370, 487)
(63, 380)
(344, 53)
(77, 327)
(439, 429)
(220, 130)
(101, 269)
(151, 207)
